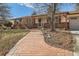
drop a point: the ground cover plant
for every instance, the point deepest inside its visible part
(8, 38)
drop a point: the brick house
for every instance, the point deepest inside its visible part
(64, 20)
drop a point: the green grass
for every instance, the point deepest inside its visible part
(9, 38)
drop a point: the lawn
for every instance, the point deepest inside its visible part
(9, 38)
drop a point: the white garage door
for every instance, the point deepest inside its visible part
(74, 24)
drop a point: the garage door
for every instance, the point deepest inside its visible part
(74, 24)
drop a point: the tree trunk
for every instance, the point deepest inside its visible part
(53, 17)
(52, 23)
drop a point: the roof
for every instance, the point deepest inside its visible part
(69, 13)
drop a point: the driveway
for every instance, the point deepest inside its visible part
(76, 37)
(33, 44)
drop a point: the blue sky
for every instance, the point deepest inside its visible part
(67, 7)
(18, 10)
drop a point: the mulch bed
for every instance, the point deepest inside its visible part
(61, 40)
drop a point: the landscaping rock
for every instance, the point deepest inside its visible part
(61, 40)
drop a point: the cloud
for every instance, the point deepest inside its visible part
(30, 5)
(35, 7)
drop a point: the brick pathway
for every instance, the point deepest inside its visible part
(33, 44)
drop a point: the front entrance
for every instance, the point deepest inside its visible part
(39, 22)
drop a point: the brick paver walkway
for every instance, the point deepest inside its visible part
(33, 44)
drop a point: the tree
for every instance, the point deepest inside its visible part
(34, 13)
(40, 8)
(49, 9)
(77, 7)
(4, 11)
(8, 24)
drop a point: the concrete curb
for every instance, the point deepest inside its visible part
(74, 32)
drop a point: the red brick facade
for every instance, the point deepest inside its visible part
(35, 21)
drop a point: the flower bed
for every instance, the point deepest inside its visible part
(60, 40)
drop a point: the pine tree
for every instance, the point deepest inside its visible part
(4, 11)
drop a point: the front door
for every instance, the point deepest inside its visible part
(39, 22)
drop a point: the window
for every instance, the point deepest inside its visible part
(57, 19)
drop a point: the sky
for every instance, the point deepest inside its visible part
(25, 9)
(18, 10)
(67, 7)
